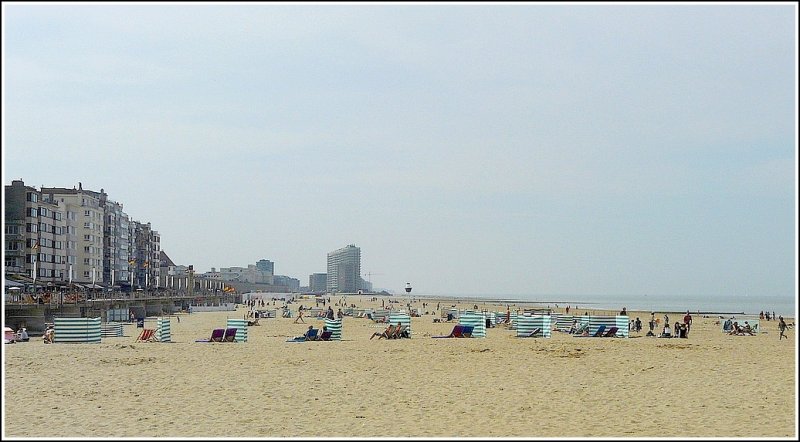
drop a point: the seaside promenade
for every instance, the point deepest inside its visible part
(708, 385)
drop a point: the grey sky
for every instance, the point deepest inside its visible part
(494, 149)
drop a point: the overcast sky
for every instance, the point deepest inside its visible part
(472, 149)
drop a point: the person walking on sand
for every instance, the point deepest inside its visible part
(300, 315)
(782, 328)
(688, 321)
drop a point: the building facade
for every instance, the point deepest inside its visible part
(85, 223)
(266, 265)
(317, 282)
(35, 237)
(344, 270)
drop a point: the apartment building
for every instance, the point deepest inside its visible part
(344, 270)
(35, 235)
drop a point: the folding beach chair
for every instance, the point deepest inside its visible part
(230, 335)
(147, 335)
(466, 332)
(216, 336)
(533, 334)
(456, 333)
(312, 334)
(402, 332)
(326, 335)
(597, 334)
(612, 332)
(599, 331)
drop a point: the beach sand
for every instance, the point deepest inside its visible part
(709, 385)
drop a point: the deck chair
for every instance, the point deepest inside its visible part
(147, 335)
(230, 335)
(533, 334)
(310, 335)
(402, 332)
(389, 333)
(466, 332)
(596, 334)
(612, 332)
(216, 336)
(599, 331)
(456, 333)
(326, 335)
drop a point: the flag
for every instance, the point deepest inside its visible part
(146, 264)
(36, 245)
(132, 262)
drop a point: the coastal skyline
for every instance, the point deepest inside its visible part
(467, 149)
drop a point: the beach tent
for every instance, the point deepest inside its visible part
(335, 327)
(621, 322)
(8, 335)
(527, 323)
(163, 333)
(477, 320)
(402, 318)
(241, 328)
(77, 330)
(563, 322)
(111, 330)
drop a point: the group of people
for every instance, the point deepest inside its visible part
(734, 328)
(677, 330)
(393, 332)
(766, 316)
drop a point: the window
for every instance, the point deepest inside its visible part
(32, 197)
(31, 212)
(32, 228)
(57, 216)
(57, 245)
(87, 249)
(44, 227)
(12, 230)
(86, 261)
(87, 213)
(12, 245)
(42, 211)
(59, 230)
(86, 274)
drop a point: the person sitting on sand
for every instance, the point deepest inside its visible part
(734, 328)
(22, 335)
(747, 329)
(308, 332)
(390, 331)
(667, 333)
(676, 328)
(49, 335)
(574, 327)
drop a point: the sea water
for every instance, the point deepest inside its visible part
(749, 305)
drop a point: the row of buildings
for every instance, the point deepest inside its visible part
(56, 236)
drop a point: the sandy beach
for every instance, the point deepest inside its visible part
(709, 385)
